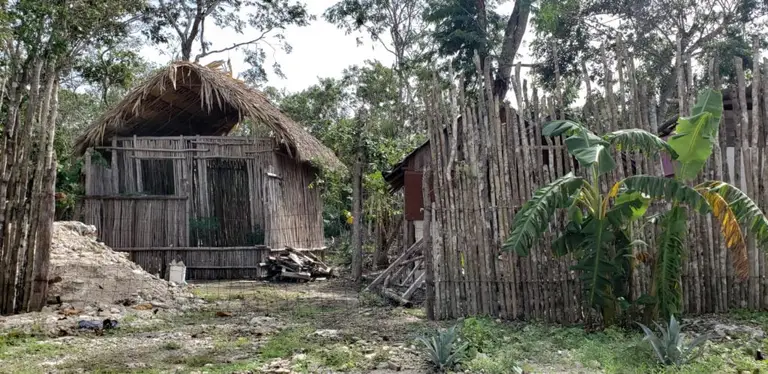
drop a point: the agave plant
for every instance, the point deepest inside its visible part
(671, 348)
(443, 349)
(597, 232)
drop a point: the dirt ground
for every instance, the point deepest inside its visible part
(242, 327)
(319, 327)
(328, 327)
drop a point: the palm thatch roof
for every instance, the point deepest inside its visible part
(186, 98)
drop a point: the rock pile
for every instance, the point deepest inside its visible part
(91, 282)
(85, 272)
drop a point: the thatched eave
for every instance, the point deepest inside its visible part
(188, 99)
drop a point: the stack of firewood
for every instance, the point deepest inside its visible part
(403, 277)
(292, 264)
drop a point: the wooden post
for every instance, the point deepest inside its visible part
(88, 172)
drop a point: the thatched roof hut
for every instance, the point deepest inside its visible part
(186, 98)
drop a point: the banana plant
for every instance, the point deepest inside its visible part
(691, 146)
(598, 231)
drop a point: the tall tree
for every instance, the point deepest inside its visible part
(40, 39)
(466, 27)
(260, 22)
(400, 20)
(328, 110)
(651, 30)
(109, 66)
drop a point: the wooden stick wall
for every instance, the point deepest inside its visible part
(217, 192)
(494, 157)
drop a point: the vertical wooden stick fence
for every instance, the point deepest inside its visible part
(488, 159)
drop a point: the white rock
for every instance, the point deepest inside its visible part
(332, 334)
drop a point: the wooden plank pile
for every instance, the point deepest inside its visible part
(403, 277)
(294, 265)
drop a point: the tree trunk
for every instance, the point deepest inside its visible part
(357, 225)
(186, 50)
(43, 119)
(388, 233)
(27, 188)
(513, 37)
(380, 255)
(357, 210)
(44, 206)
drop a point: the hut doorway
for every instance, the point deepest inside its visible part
(228, 191)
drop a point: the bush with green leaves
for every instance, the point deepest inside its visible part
(671, 347)
(481, 334)
(444, 350)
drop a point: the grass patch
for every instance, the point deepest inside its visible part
(229, 343)
(20, 352)
(286, 343)
(370, 299)
(15, 344)
(750, 317)
(496, 347)
(338, 357)
(212, 292)
(416, 312)
(199, 360)
(319, 351)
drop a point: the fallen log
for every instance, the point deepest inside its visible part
(391, 294)
(294, 275)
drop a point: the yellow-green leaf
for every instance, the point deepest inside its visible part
(695, 135)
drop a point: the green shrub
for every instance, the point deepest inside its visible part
(482, 334)
(499, 364)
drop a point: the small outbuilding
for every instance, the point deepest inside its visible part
(165, 181)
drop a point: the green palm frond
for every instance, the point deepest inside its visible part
(596, 266)
(534, 217)
(694, 136)
(560, 127)
(570, 241)
(668, 189)
(746, 211)
(623, 262)
(669, 262)
(638, 140)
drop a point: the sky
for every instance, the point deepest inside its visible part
(319, 50)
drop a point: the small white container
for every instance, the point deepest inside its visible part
(177, 273)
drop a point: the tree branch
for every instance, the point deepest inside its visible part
(706, 38)
(234, 46)
(171, 20)
(212, 7)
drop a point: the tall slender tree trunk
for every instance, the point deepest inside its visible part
(357, 203)
(27, 181)
(357, 214)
